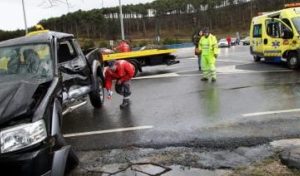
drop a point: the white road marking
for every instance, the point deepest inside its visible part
(224, 60)
(230, 73)
(191, 58)
(167, 75)
(72, 108)
(248, 71)
(231, 60)
(228, 69)
(270, 112)
(107, 131)
(219, 72)
(231, 69)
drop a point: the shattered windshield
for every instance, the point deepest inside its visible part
(30, 60)
(296, 22)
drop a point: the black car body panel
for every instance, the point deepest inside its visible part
(41, 161)
(37, 162)
(10, 95)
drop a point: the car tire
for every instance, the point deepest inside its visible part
(293, 61)
(97, 95)
(256, 58)
(136, 69)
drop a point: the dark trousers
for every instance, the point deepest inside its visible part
(199, 61)
(123, 89)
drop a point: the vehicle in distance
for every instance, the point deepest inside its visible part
(233, 41)
(223, 43)
(246, 40)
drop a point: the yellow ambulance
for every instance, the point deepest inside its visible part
(275, 36)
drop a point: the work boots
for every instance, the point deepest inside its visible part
(125, 103)
(204, 79)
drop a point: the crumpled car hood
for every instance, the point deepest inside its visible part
(15, 98)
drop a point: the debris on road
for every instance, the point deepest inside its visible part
(163, 161)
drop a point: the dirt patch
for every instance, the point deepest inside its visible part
(268, 167)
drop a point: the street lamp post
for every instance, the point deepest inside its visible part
(24, 14)
(121, 20)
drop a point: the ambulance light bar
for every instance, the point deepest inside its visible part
(292, 5)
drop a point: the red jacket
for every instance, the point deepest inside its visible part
(228, 40)
(124, 72)
(123, 47)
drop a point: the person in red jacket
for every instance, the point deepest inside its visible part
(121, 71)
(228, 38)
(122, 47)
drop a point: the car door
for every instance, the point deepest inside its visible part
(73, 69)
(257, 40)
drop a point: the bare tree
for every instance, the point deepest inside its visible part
(53, 3)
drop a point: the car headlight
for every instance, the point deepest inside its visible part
(22, 136)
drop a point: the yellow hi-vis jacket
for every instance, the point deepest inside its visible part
(208, 46)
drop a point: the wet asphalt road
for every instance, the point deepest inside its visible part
(172, 107)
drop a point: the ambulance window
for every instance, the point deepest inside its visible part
(257, 31)
(286, 21)
(273, 28)
(296, 22)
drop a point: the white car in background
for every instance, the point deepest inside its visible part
(223, 43)
(246, 41)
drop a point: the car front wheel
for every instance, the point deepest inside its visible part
(256, 58)
(293, 61)
(97, 95)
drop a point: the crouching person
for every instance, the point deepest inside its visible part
(121, 71)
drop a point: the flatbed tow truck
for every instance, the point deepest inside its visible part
(141, 58)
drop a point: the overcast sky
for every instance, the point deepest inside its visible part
(11, 13)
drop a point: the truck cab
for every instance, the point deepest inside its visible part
(275, 36)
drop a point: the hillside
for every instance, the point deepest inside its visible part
(176, 19)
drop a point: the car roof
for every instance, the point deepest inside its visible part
(44, 37)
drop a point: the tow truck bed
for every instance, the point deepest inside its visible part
(137, 54)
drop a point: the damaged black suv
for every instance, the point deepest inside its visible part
(42, 77)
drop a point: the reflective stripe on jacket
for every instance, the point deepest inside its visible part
(209, 45)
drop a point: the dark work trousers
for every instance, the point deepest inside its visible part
(123, 89)
(199, 61)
